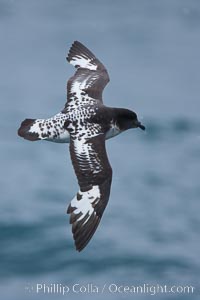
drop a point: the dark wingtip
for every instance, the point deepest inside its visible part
(73, 47)
(78, 49)
(78, 248)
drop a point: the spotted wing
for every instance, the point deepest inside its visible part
(94, 175)
(91, 76)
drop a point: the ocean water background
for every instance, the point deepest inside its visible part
(150, 231)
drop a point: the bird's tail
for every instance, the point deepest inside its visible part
(51, 129)
(26, 131)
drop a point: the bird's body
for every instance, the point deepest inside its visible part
(85, 123)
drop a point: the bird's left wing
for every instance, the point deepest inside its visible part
(89, 80)
(94, 176)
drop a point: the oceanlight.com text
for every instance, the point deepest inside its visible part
(111, 288)
(150, 289)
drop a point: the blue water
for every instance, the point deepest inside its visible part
(150, 231)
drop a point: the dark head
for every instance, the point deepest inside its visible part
(127, 119)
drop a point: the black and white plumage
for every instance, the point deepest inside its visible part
(85, 123)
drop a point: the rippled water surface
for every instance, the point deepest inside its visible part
(150, 231)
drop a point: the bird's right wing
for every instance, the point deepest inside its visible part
(94, 176)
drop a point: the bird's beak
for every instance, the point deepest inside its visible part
(138, 124)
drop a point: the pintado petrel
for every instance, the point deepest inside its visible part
(85, 123)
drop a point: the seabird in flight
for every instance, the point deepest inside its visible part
(85, 123)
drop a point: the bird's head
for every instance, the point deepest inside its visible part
(128, 119)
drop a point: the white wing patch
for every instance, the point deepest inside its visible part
(84, 206)
(83, 62)
(79, 85)
(82, 149)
